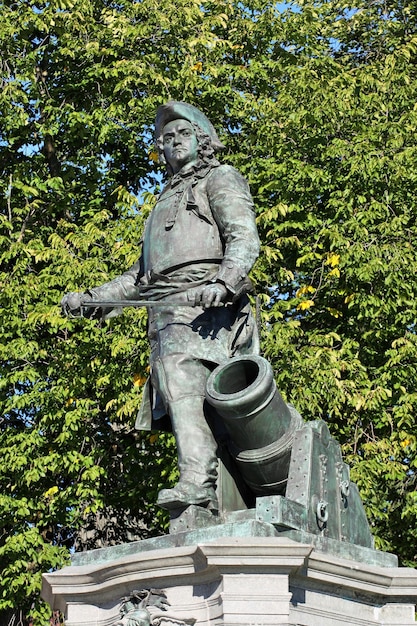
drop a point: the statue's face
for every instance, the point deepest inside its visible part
(180, 144)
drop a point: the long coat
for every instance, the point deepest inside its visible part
(201, 231)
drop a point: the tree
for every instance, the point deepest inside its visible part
(321, 95)
(343, 174)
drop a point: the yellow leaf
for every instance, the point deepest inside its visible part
(153, 438)
(304, 290)
(333, 259)
(138, 380)
(154, 156)
(349, 298)
(198, 66)
(335, 272)
(405, 443)
(306, 304)
(51, 492)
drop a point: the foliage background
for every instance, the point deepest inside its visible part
(316, 104)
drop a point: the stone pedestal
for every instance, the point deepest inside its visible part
(247, 574)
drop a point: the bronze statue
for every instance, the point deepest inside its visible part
(199, 244)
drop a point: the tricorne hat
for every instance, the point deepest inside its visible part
(174, 110)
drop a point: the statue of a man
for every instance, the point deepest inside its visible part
(199, 244)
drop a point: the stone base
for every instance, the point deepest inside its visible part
(250, 576)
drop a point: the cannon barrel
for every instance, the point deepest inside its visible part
(260, 424)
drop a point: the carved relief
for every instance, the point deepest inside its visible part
(148, 607)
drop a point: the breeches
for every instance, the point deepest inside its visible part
(179, 376)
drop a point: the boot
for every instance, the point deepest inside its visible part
(197, 458)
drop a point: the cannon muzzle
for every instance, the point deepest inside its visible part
(260, 424)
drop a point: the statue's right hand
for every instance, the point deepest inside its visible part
(71, 303)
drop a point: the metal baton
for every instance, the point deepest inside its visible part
(95, 304)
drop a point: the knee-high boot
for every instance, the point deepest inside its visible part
(197, 459)
(181, 381)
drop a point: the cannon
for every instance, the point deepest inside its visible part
(261, 426)
(294, 469)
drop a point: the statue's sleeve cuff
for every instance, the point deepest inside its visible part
(231, 275)
(92, 293)
(99, 293)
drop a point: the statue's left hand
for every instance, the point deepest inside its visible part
(213, 295)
